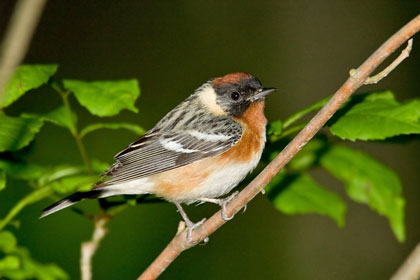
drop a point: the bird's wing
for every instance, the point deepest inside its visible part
(157, 152)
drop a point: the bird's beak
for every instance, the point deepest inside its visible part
(261, 93)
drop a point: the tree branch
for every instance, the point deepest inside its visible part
(18, 36)
(410, 269)
(357, 79)
(88, 248)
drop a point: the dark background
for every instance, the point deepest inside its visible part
(304, 48)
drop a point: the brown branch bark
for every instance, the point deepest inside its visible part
(357, 79)
(18, 36)
(410, 269)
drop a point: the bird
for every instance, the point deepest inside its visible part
(198, 152)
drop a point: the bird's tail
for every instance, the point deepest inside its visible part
(70, 200)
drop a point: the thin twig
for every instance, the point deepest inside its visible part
(18, 36)
(410, 269)
(403, 55)
(73, 127)
(88, 248)
(179, 243)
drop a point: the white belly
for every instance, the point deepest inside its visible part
(223, 180)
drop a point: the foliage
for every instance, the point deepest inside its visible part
(301, 195)
(25, 78)
(18, 264)
(16, 133)
(369, 182)
(377, 110)
(371, 116)
(105, 98)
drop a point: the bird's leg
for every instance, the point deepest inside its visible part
(190, 225)
(222, 202)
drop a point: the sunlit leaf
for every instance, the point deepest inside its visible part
(28, 268)
(369, 182)
(376, 117)
(9, 263)
(128, 126)
(17, 132)
(26, 77)
(105, 98)
(7, 241)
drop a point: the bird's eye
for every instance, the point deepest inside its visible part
(235, 96)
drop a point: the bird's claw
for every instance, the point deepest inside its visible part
(244, 208)
(191, 227)
(224, 202)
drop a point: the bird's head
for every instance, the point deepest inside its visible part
(232, 94)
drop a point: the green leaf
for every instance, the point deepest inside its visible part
(7, 241)
(300, 194)
(275, 128)
(66, 178)
(375, 117)
(58, 172)
(62, 178)
(60, 117)
(16, 133)
(2, 179)
(74, 183)
(26, 77)
(18, 264)
(9, 262)
(22, 170)
(309, 155)
(369, 182)
(105, 98)
(28, 268)
(128, 126)
(99, 166)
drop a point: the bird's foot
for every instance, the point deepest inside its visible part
(222, 202)
(192, 226)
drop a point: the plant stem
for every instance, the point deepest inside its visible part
(30, 198)
(74, 131)
(83, 153)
